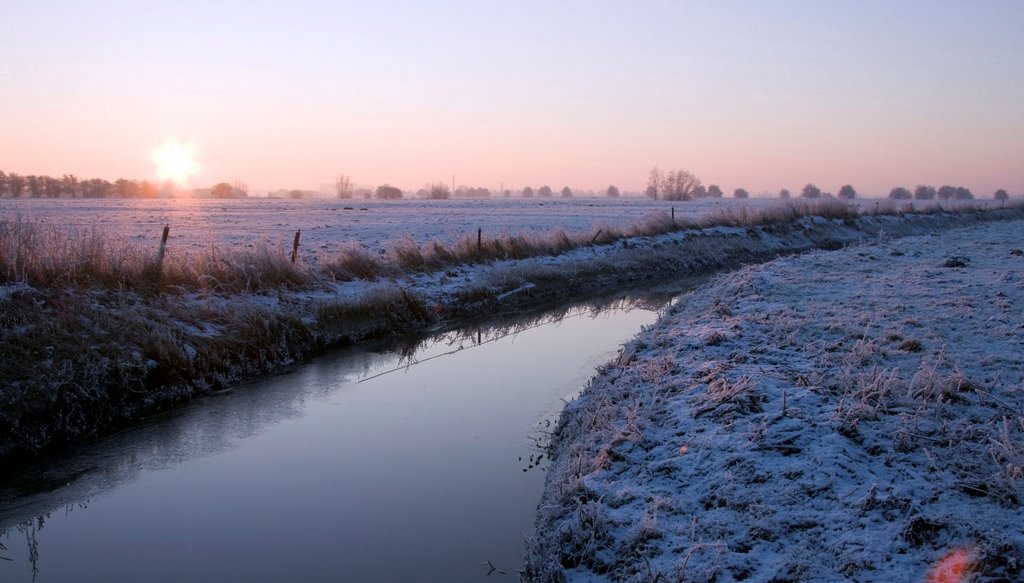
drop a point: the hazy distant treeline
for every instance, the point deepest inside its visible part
(70, 186)
(684, 185)
(674, 185)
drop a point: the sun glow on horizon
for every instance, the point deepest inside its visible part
(175, 161)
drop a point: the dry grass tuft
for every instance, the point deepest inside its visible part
(354, 261)
(724, 398)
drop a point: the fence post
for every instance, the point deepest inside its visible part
(295, 245)
(479, 241)
(163, 249)
(673, 215)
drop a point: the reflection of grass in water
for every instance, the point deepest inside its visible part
(468, 337)
(29, 528)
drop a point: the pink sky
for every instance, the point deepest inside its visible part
(759, 95)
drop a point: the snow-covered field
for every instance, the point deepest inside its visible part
(845, 415)
(328, 224)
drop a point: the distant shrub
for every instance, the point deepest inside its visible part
(946, 192)
(438, 191)
(811, 191)
(1001, 195)
(924, 192)
(900, 193)
(740, 193)
(388, 192)
(613, 191)
(847, 192)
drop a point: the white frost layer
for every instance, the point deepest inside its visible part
(843, 415)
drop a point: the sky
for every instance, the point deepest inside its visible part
(755, 94)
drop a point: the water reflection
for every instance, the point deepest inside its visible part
(368, 450)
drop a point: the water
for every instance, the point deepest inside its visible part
(361, 466)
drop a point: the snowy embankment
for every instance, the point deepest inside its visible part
(847, 415)
(78, 363)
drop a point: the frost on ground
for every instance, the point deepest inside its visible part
(844, 415)
(98, 342)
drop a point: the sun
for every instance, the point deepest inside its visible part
(175, 161)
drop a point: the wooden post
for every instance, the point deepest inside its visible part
(163, 249)
(479, 238)
(295, 245)
(673, 215)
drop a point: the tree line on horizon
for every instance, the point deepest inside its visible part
(682, 185)
(673, 185)
(68, 185)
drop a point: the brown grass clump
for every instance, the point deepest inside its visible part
(47, 256)
(354, 261)
(724, 397)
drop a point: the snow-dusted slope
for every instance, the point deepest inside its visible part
(843, 415)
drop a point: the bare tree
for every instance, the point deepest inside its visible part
(924, 192)
(1001, 195)
(679, 185)
(97, 188)
(438, 191)
(527, 192)
(946, 192)
(900, 193)
(16, 184)
(613, 191)
(655, 180)
(784, 193)
(343, 186)
(544, 191)
(847, 192)
(52, 186)
(715, 191)
(566, 192)
(740, 193)
(240, 189)
(35, 185)
(69, 184)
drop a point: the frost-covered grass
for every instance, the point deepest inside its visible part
(49, 254)
(91, 342)
(846, 415)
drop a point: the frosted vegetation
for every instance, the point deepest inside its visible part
(245, 245)
(847, 415)
(97, 331)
